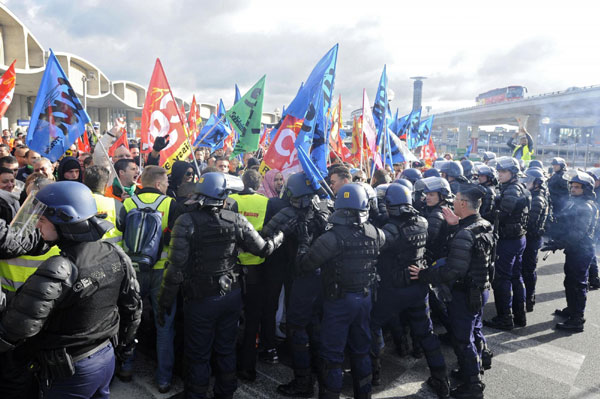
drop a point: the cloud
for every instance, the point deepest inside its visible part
(207, 47)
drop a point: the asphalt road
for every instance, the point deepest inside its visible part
(537, 361)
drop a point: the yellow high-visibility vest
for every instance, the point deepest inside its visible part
(254, 208)
(106, 206)
(14, 272)
(163, 207)
(526, 152)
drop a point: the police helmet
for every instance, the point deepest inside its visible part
(452, 169)
(213, 188)
(406, 182)
(431, 172)
(489, 172)
(536, 163)
(380, 190)
(488, 155)
(508, 163)
(577, 176)
(299, 190)
(352, 196)
(71, 207)
(595, 173)
(535, 176)
(411, 174)
(436, 185)
(559, 161)
(492, 163)
(371, 194)
(467, 166)
(398, 194)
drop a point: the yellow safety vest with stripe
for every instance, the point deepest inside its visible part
(106, 206)
(14, 272)
(163, 208)
(254, 208)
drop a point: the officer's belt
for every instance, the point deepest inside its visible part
(79, 355)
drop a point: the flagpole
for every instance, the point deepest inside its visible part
(211, 129)
(335, 153)
(98, 141)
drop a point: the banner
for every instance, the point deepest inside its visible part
(119, 130)
(413, 129)
(217, 135)
(245, 117)
(161, 117)
(58, 118)
(423, 134)
(83, 143)
(429, 153)
(399, 150)
(194, 120)
(282, 154)
(369, 131)
(7, 88)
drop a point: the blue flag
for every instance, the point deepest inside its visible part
(469, 150)
(400, 152)
(310, 170)
(215, 139)
(321, 79)
(237, 94)
(393, 124)
(314, 135)
(413, 129)
(221, 110)
(380, 116)
(423, 133)
(58, 118)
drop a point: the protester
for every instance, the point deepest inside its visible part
(126, 184)
(272, 184)
(31, 156)
(69, 169)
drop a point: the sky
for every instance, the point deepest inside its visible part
(463, 47)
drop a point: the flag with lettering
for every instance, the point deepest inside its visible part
(212, 136)
(245, 117)
(281, 153)
(7, 88)
(423, 134)
(161, 118)
(412, 130)
(399, 150)
(429, 153)
(58, 118)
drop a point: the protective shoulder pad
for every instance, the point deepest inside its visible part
(57, 267)
(228, 216)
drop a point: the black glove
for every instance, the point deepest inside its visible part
(125, 351)
(549, 246)
(160, 143)
(302, 233)
(290, 226)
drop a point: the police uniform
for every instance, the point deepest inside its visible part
(91, 279)
(466, 270)
(347, 254)
(406, 237)
(203, 261)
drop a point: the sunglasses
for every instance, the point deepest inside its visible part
(188, 174)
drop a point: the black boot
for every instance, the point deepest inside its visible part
(456, 374)
(401, 343)
(572, 324)
(594, 282)
(375, 371)
(301, 386)
(486, 358)
(520, 318)
(504, 322)
(472, 389)
(529, 303)
(563, 312)
(439, 383)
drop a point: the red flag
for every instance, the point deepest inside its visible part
(282, 154)
(121, 141)
(428, 153)
(161, 116)
(194, 120)
(7, 88)
(83, 144)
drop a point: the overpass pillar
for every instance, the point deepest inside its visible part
(103, 118)
(533, 127)
(474, 138)
(444, 146)
(463, 138)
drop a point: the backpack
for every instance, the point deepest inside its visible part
(143, 233)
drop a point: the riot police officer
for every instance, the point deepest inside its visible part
(453, 172)
(406, 237)
(513, 206)
(488, 180)
(594, 279)
(557, 186)
(205, 245)
(536, 225)
(91, 279)
(306, 216)
(488, 156)
(438, 195)
(468, 168)
(466, 270)
(575, 235)
(347, 254)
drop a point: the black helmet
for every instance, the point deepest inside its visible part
(398, 199)
(490, 173)
(577, 176)
(431, 172)
(488, 155)
(467, 166)
(405, 182)
(559, 161)
(352, 196)
(436, 185)
(536, 163)
(535, 176)
(299, 190)
(595, 173)
(452, 169)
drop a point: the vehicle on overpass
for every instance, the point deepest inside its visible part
(509, 93)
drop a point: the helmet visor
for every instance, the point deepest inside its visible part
(27, 217)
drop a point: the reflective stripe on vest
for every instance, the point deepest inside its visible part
(254, 208)
(14, 272)
(107, 207)
(165, 205)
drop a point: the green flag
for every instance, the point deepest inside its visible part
(245, 116)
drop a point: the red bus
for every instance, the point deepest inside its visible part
(509, 93)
